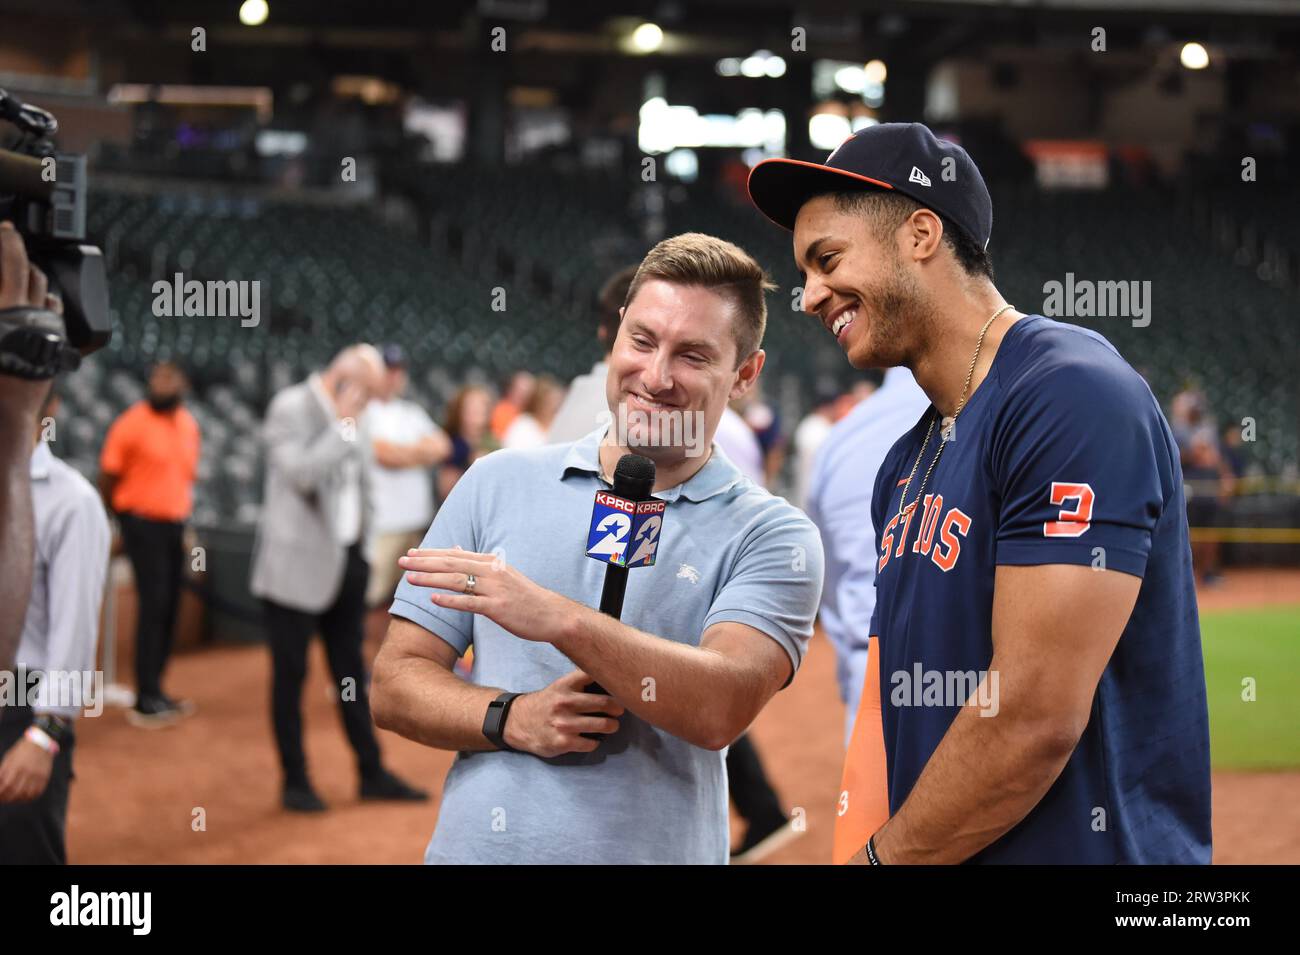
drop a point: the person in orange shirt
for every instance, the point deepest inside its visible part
(515, 395)
(147, 469)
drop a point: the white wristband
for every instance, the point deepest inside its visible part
(42, 739)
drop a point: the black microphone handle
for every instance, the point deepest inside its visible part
(611, 595)
(634, 479)
(611, 602)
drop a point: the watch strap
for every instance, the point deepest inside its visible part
(494, 723)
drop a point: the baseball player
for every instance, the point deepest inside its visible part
(1041, 693)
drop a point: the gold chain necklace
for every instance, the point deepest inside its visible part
(948, 423)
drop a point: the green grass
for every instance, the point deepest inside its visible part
(1264, 644)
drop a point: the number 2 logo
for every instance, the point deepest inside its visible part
(648, 535)
(618, 524)
(1070, 523)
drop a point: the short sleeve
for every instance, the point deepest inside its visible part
(1076, 455)
(776, 582)
(455, 526)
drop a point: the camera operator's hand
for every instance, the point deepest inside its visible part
(21, 283)
(33, 339)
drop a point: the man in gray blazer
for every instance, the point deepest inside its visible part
(309, 564)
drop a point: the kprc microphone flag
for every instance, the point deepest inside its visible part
(618, 525)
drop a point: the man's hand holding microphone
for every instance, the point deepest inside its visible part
(551, 721)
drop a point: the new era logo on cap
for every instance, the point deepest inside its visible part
(884, 156)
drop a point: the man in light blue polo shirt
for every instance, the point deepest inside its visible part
(708, 634)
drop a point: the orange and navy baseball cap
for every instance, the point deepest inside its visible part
(903, 157)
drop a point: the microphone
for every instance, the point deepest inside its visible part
(626, 518)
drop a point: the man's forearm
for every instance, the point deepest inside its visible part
(396, 456)
(985, 776)
(691, 692)
(420, 700)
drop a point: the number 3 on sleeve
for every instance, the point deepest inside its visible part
(1070, 523)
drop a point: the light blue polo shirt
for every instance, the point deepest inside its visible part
(728, 551)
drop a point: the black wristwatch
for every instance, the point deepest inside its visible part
(55, 727)
(494, 724)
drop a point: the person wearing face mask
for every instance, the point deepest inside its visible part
(147, 469)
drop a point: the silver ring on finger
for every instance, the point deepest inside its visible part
(470, 581)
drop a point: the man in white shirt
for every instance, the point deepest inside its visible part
(839, 503)
(59, 636)
(739, 443)
(407, 446)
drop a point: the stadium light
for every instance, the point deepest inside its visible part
(253, 13)
(647, 38)
(757, 65)
(851, 79)
(828, 130)
(1194, 56)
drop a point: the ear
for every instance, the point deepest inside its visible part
(922, 235)
(607, 338)
(747, 374)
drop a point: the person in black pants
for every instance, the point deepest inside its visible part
(32, 831)
(55, 658)
(768, 828)
(154, 549)
(340, 626)
(147, 467)
(308, 563)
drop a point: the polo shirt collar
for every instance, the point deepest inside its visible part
(717, 475)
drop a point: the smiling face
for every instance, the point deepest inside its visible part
(675, 357)
(857, 285)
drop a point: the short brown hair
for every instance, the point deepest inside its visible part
(885, 212)
(694, 258)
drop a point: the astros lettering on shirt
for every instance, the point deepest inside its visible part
(1061, 456)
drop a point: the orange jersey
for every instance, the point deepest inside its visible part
(863, 805)
(154, 456)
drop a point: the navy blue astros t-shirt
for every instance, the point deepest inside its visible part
(1061, 456)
